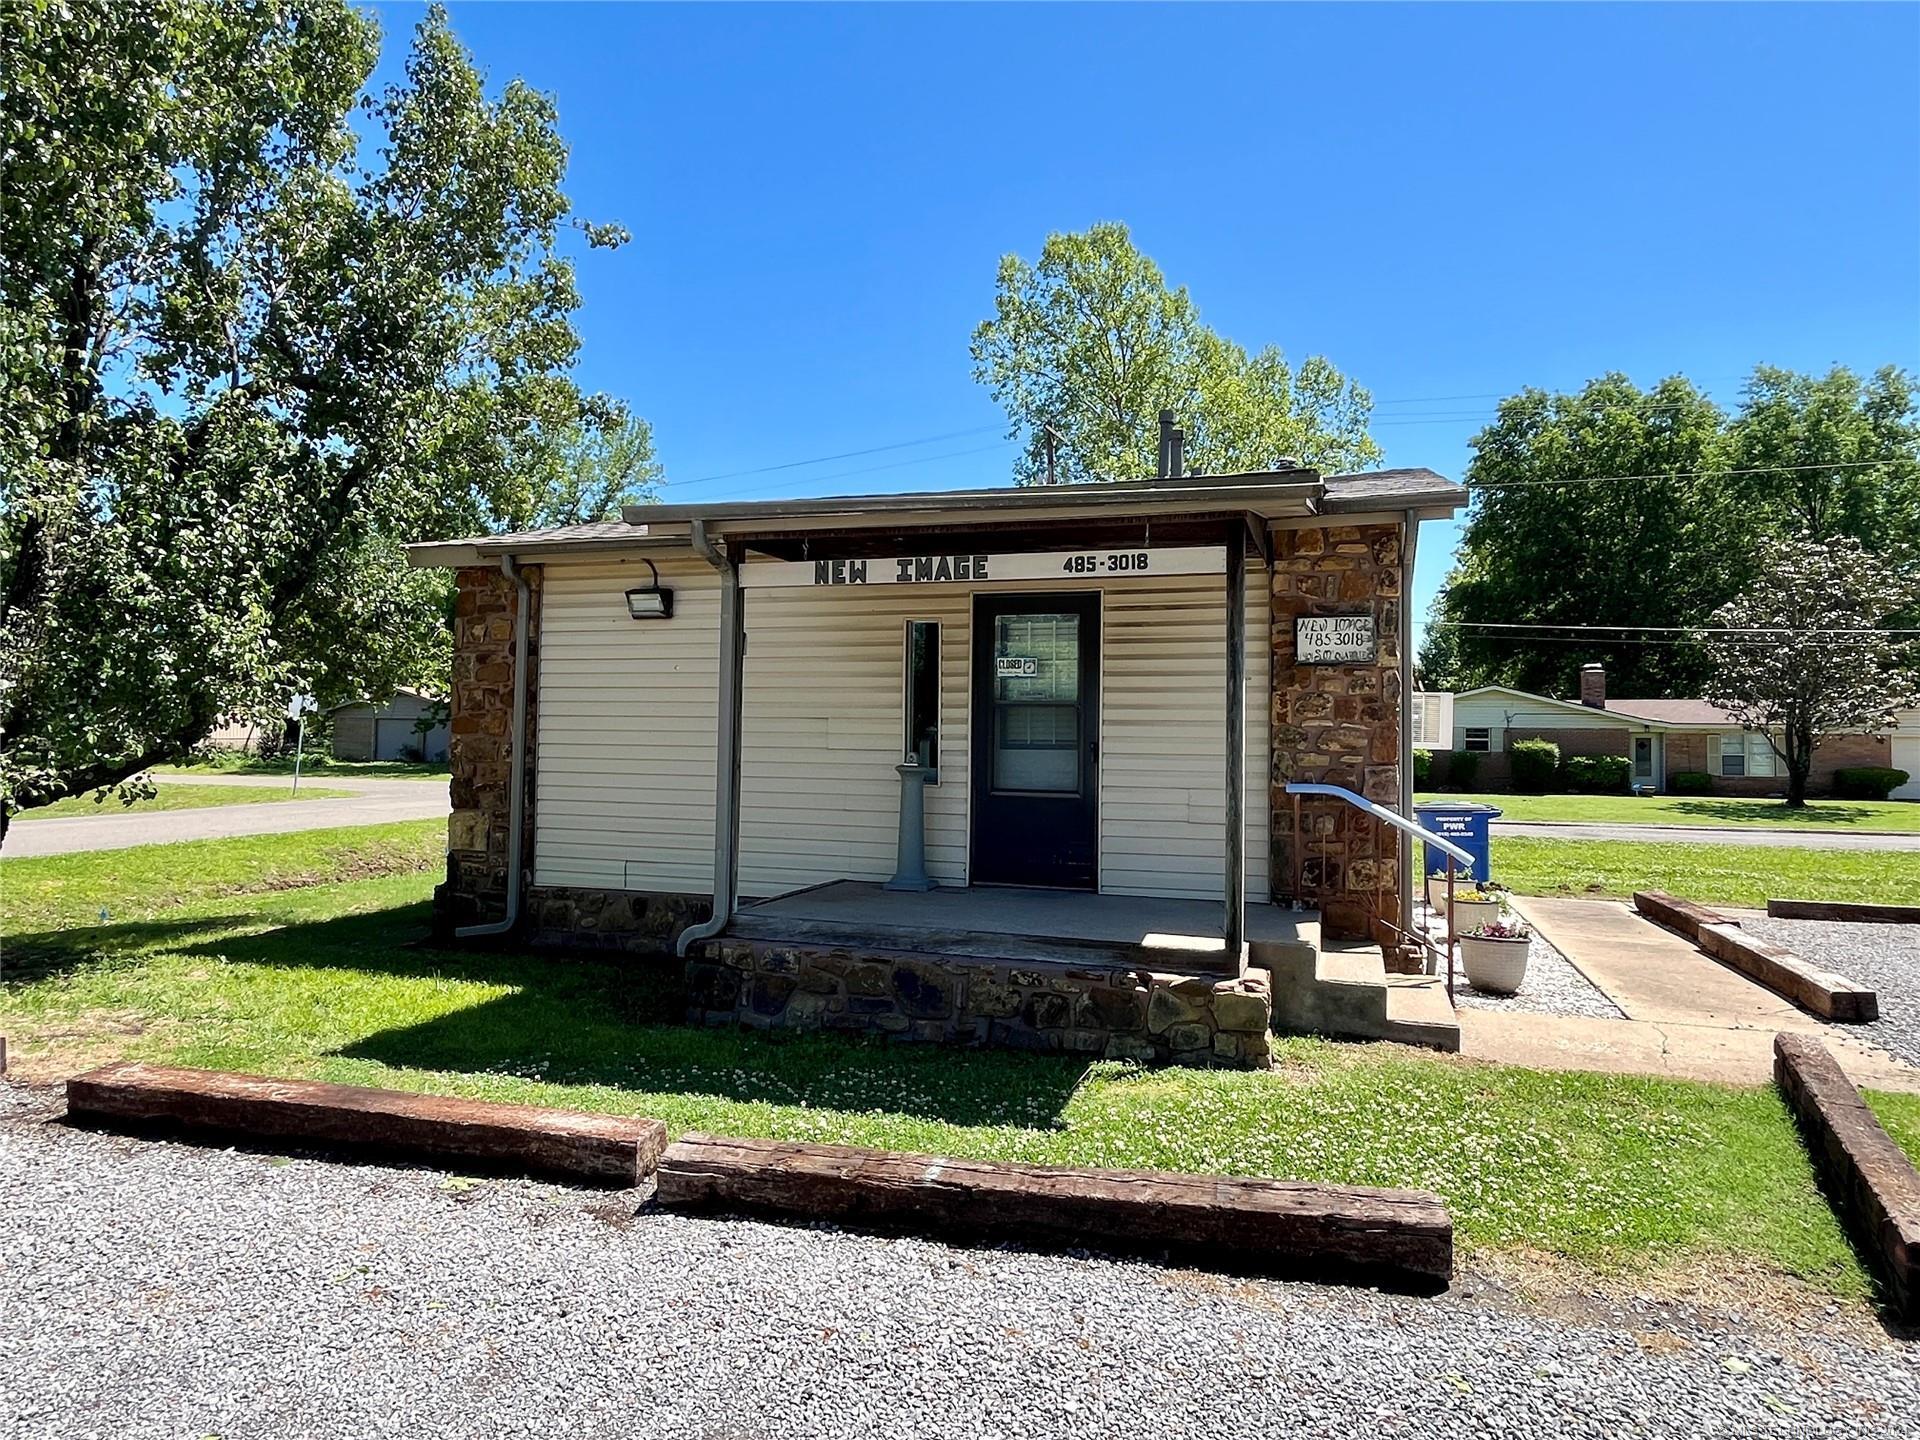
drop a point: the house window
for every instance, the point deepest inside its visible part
(923, 692)
(1747, 754)
(1479, 738)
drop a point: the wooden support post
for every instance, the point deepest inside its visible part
(1236, 859)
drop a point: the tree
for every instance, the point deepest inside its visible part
(577, 472)
(1549, 543)
(1799, 655)
(1554, 539)
(238, 363)
(1091, 342)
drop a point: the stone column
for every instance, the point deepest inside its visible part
(480, 749)
(1338, 724)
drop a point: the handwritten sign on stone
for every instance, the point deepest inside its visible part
(1334, 640)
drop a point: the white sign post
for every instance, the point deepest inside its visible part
(1334, 640)
(297, 709)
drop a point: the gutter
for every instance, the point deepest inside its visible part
(517, 783)
(726, 784)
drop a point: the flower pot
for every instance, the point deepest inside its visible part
(1496, 966)
(1471, 914)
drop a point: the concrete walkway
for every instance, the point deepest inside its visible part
(1706, 835)
(1687, 1015)
(373, 802)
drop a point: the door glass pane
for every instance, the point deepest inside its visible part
(1643, 757)
(1036, 693)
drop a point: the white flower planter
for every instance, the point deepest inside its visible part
(1498, 967)
(1471, 914)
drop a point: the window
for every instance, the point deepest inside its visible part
(1744, 755)
(1479, 738)
(923, 693)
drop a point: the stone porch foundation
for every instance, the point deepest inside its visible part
(1098, 1010)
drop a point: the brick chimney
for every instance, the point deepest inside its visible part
(1593, 686)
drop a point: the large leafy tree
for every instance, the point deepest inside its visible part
(1556, 538)
(1550, 542)
(1805, 652)
(1091, 343)
(243, 353)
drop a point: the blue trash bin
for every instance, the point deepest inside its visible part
(1465, 824)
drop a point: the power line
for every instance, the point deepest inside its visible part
(1681, 629)
(1677, 474)
(891, 464)
(843, 455)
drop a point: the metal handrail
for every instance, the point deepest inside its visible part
(1454, 853)
(1380, 812)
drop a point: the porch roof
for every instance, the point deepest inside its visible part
(1199, 504)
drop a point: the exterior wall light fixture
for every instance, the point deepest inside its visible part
(651, 602)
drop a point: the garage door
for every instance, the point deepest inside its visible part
(1906, 756)
(393, 739)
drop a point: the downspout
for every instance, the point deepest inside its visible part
(1407, 554)
(726, 798)
(517, 782)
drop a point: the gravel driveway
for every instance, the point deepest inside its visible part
(1885, 957)
(151, 1289)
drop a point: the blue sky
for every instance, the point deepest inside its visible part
(1450, 202)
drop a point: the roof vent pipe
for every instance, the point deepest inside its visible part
(1166, 444)
(1177, 455)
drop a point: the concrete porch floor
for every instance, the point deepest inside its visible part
(1016, 924)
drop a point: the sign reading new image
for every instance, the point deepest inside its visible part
(1334, 640)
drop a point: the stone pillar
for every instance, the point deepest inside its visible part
(480, 750)
(1338, 724)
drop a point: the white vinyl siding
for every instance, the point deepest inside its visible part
(623, 762)
(1163, 737)
(628, 708)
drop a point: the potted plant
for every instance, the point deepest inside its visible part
(1495, 955)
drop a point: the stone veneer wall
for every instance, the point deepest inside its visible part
(480, 749)
(1112, 1011)
(1338, 724)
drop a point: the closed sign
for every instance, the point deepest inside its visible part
(1334, 640)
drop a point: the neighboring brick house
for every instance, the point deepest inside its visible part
(1106, 689)
(1659, 737)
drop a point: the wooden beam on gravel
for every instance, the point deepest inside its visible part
(1844, 910)
(1818, 992)
(1397, 1238)
(519, 1139)
(1677, 914)
(1873, 1184)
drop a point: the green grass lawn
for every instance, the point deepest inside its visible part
(172, 796)
(1744, 875)
(1856, 815)
(66, 892)
(1899, 1115)
(1628, 1175)
(235, 763)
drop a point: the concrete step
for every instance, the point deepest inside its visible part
(1346, 993)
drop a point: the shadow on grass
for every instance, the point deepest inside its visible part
(1735, 812)
(582, 1019)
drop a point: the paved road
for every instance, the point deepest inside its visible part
(1708, 835)
(152, 1289)
(373, 802)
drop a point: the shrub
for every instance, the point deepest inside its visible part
(1598, 774)
(1463, 768)
(1689, 782)
(1535, 764)
(1423, 769)
(1867, 782)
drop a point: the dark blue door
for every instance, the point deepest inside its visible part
(1036, 726)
